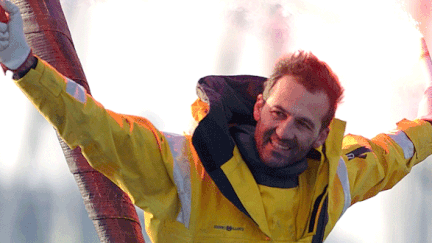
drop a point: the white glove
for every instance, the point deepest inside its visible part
(425, 107)
(14, 49)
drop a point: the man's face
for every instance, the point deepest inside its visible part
(289, 122)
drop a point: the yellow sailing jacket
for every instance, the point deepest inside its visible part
(197, 188)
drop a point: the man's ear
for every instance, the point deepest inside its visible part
(321, 137)
(258, 107)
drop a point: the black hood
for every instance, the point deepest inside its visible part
(231, 100)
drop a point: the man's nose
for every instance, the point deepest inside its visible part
(285, 129)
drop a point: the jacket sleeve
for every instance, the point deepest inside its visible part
(378, 164)
(126, 149)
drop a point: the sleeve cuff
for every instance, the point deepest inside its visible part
(50, 80)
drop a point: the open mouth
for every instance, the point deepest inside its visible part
(279, 146)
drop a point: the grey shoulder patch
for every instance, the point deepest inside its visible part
(76, 91)
(182, 178)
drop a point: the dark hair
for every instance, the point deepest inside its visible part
(313, 74)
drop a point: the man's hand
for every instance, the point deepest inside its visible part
(425, 107)
(14, 49)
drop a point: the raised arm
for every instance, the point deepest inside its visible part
(378, 164)
(128, 150)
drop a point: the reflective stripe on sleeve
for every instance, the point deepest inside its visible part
(404, 142)
(76, 91)
(182, 179)
(342, 173)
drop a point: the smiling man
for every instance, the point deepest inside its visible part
(267, 162)
(300, 101)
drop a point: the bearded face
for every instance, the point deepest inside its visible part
(289, 122)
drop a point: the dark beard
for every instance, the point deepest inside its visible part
(291, 143)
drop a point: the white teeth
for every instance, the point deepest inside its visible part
(278, 146)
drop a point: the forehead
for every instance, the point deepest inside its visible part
(295, 99)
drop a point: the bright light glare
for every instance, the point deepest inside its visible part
(145, 57)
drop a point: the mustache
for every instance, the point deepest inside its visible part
(292, 143)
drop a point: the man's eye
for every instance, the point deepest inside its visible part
(278, 114)
(304, 124)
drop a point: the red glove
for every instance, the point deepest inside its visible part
(4, 17)
(425, 107)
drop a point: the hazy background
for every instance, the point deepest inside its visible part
(145, 57)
